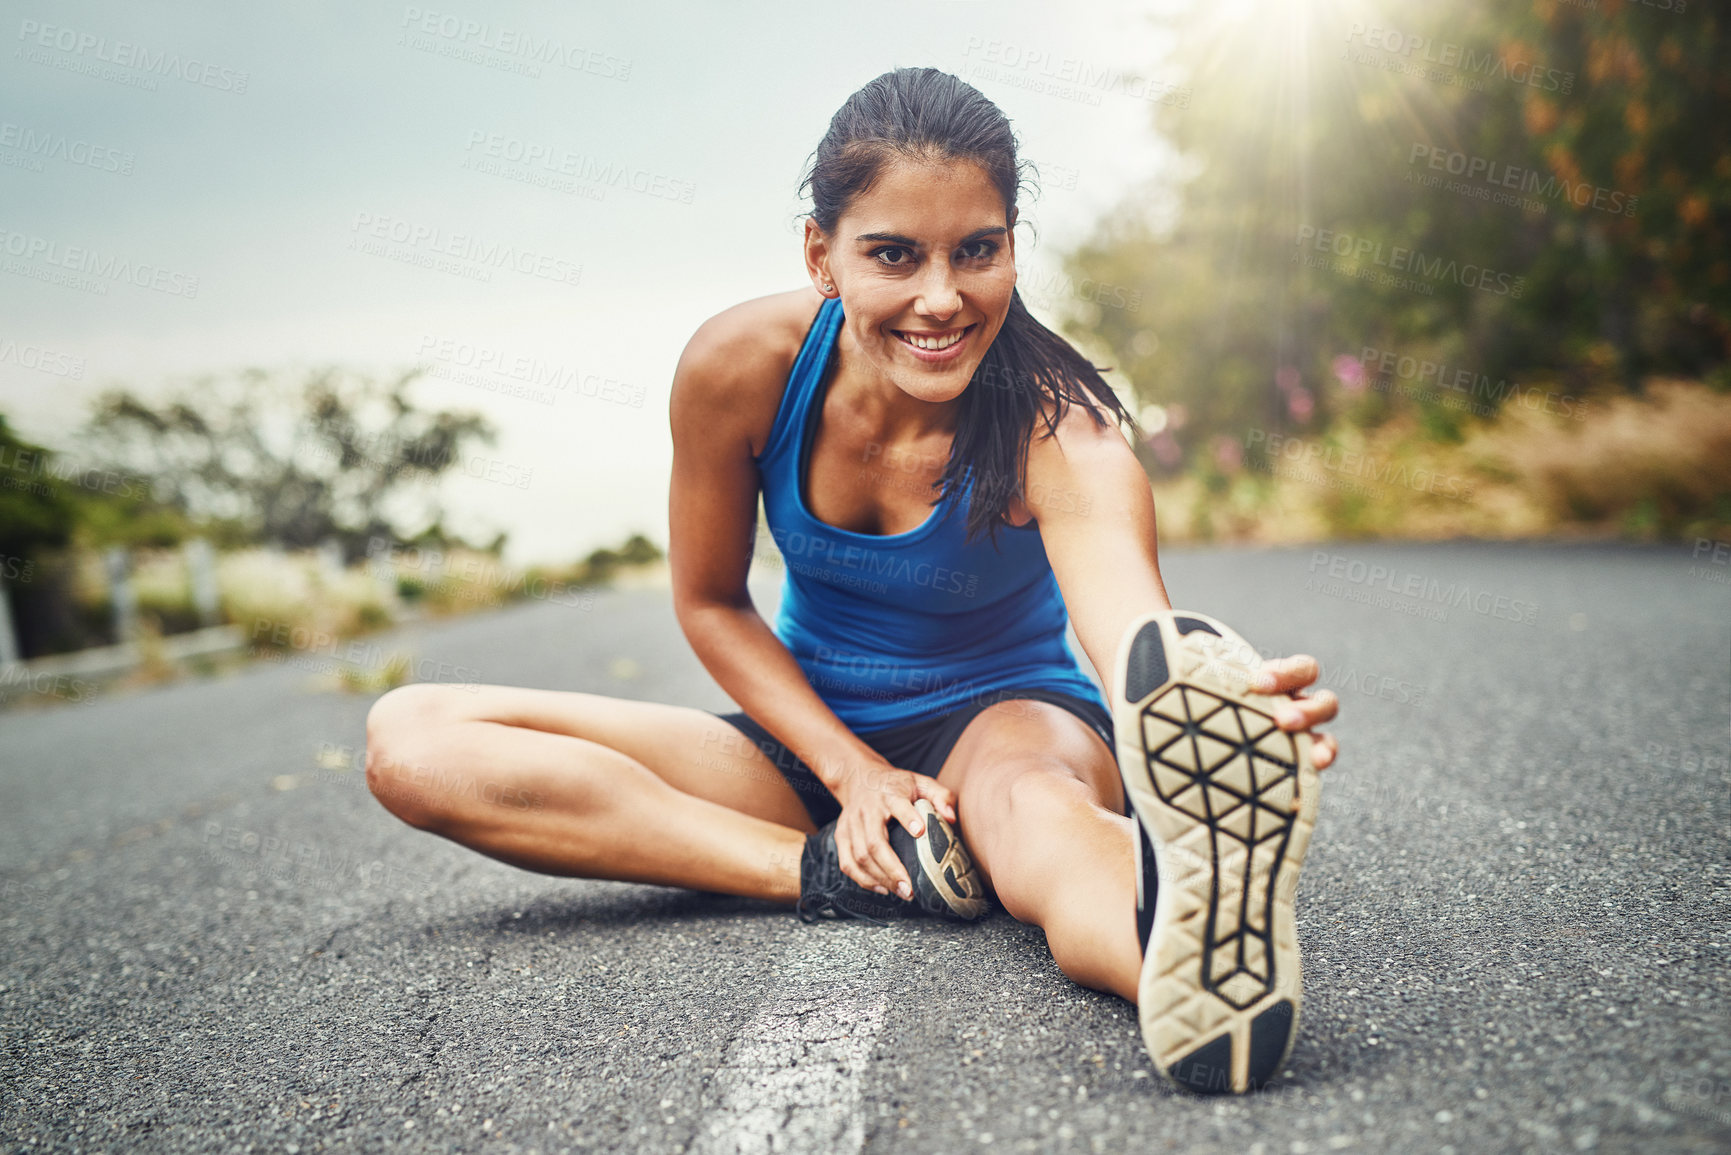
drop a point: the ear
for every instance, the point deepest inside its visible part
(817, 256)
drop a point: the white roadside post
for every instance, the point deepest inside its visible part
(8, 639)
(201, 570)
(122, 594)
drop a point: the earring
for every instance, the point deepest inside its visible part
(828, 288)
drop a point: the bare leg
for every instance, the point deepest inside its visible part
(1036, 791)
(588, 786)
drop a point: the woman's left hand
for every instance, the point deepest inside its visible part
(1289, 676)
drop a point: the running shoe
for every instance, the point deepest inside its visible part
(1224, 804)
(945, 882)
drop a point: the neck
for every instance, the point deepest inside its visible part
(883, 405)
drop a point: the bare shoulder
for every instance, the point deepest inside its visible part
(735, 366)
(1083, 465)
(1079, 435)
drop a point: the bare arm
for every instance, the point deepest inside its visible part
(1096, 516)
(712, 514)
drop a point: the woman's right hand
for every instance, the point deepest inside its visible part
(871, 797)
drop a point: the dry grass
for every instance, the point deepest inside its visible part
(1657, 465)
(273, 595)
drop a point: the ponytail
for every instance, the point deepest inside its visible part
(1029, 375)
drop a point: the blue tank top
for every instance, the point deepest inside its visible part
(893, 627)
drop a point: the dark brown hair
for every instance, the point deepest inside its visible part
(925, 113)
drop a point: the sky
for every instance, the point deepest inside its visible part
(198, 189)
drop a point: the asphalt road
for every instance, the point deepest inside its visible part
(1514, 914)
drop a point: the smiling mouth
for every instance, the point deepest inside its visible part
(932, 342)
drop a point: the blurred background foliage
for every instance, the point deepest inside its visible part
(317, 495)
(1380, 126)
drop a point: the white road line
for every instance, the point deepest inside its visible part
(790, 1083)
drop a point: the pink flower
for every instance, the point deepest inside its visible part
(1165, 448)
(1349, 370)
(1300, 404)
(1228, 454)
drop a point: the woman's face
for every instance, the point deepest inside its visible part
(925, 253)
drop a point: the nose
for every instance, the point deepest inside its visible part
(939, 297)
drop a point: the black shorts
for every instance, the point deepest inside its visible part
(920, 746)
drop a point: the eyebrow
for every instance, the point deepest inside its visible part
(897, 238)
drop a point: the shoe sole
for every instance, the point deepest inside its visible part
(946, 883)
(1225, 804)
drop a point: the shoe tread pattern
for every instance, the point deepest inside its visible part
(1231, 801)
(940, 866)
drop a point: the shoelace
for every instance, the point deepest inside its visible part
(827, 885)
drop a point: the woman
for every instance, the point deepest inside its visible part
(948, 484)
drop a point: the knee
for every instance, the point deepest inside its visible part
(1035, 803)
(397, 728)
(1045, 790)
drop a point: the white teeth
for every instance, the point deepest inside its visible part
(931, 344)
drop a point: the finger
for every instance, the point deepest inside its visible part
(938, 795)
(857, 866)
(1303, 713)
(1284, 675)
(890, 867)
(1323, 751)
(912, 820)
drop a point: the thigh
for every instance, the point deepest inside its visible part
(691, 750)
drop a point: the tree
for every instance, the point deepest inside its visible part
(1531, 196)
(342, 456)
(35, 509)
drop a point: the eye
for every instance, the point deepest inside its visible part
(878, 255)
(988, 249)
